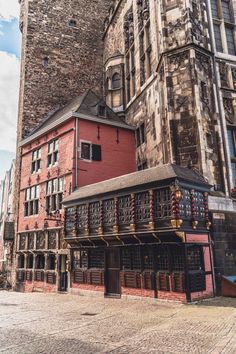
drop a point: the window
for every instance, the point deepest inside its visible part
(145, 48)
(54, 194)
(40, 261)
(129, 55)
(232, 149)
(31, 204)
(30, 261)
(223, 19)
(116, 81)
(36, 161)
(218, 40)
(72, 23)
(140, 135)
(101, 110)
(51, 262)
(53, 153)
(90, 151)
(21, 261)
(46, 62)
(230, 40)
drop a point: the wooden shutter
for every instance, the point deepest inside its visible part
(96, 152)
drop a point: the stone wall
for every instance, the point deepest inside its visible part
(60, 59)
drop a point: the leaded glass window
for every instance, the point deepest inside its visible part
(142, 204)
(162, 201)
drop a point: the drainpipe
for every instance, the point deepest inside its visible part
(76, 151)
(221, 112)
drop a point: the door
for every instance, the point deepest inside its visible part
(63, 281)
(112, 276)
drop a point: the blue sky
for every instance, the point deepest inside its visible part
(10, 38)
(10, 42)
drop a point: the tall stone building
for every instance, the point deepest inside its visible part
(61, 55)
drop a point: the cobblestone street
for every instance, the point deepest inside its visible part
(39, 323)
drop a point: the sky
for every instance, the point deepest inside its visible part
(10, 41)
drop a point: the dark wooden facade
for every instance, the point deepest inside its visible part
(152, 236)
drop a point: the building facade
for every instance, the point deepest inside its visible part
(167, 69)
(7, 220)
(176, 62)
(74, 147)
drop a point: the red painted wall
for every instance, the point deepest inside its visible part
(117, 158)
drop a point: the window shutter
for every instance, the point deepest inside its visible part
(96, 152)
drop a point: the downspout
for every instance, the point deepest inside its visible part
(76, 152)
(221, 113)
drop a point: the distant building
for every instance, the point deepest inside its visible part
(84, 143)
(7, 220)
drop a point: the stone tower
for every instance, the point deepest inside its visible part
(61, 55)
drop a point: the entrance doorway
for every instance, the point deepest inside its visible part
(63, 276)
(112, 275)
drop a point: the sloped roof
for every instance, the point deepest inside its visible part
(155, 174)
(84, 106)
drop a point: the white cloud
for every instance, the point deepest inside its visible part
(9, 9)
(9, 91)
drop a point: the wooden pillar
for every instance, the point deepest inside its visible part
(132, 225)
(152, 211)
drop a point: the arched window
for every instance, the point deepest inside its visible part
(116, 81)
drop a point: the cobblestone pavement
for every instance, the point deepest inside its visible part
(38, 323)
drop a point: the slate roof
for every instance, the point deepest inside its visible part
(155, 174)
(85, 107)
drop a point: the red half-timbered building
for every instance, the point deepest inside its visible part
(143, 234)
(73, 147)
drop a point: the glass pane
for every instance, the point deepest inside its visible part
(214, 8)
(56, 144)
(50, 147)
(226, 10)
(85, 151)
(61, 185)
(231, 143)
(230, 40)
(218, 40)
(234, 173)
(55, 185)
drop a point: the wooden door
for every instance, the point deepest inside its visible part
(112, 277)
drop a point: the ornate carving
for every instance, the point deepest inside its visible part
(229, 110)
(179, 60)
